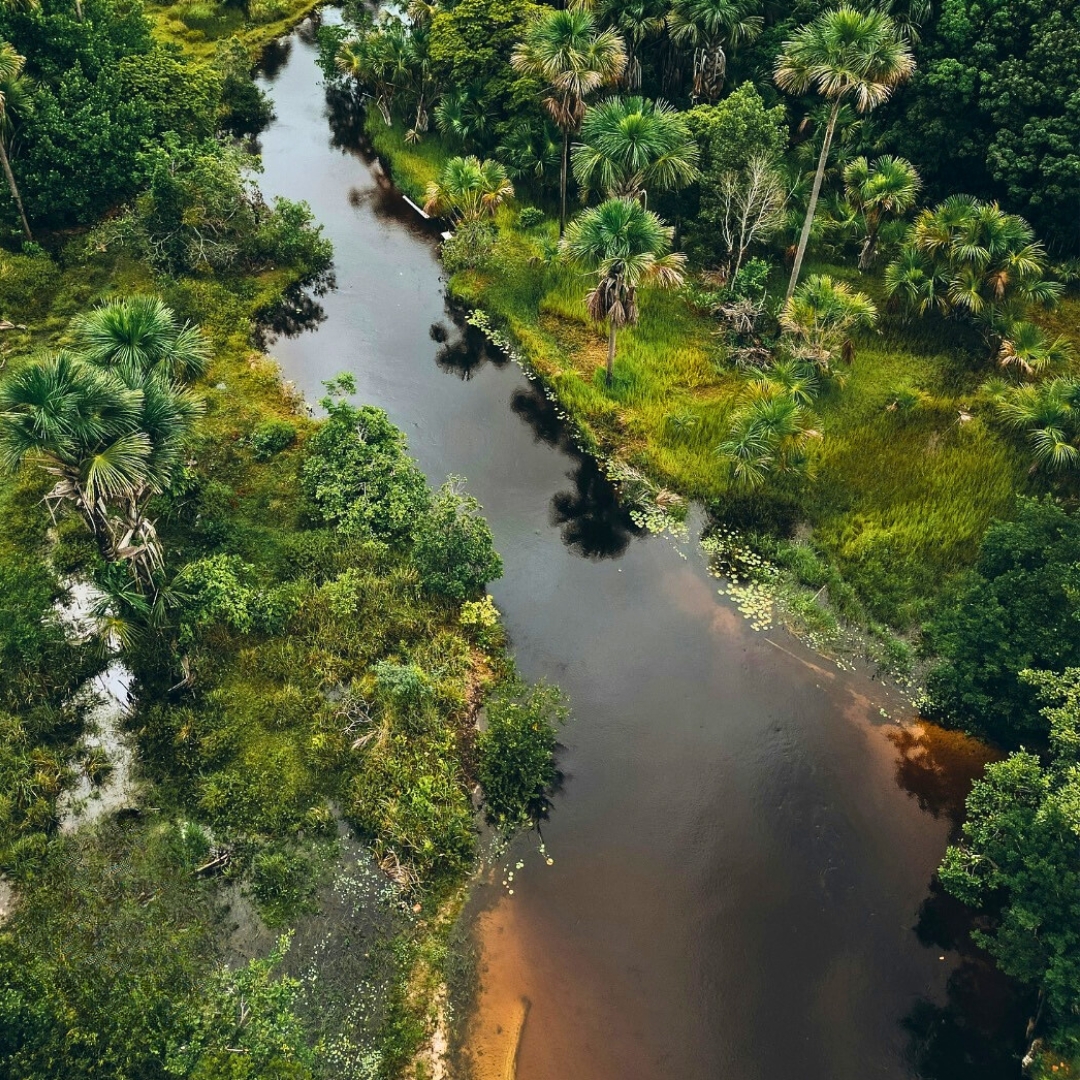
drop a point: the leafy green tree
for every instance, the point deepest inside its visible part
(741, 143)
(1019, 862)
(632, 145)
(470, 44)
(820, 317)
(573, 58)
(626, 246)
(886, 187)
(516, 751)
(704, 28)
(995, 107)
(469, 189)
(453, 547)
(357, 474)
(846, 55)
(1016, 609)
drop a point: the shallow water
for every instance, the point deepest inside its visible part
(743, 843)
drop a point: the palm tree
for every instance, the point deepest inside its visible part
(626, 246)
(845, 55)
(888, 186)
(968, 257)
(770, 435)
(468, 188)
(820, 317)
(532, 149)
(12, 86)
(631, 144)
(461, 114)
(705, 27)
(1050, 414)
(1030, 351)
(573, 58)
(636, 21)
(140, 334)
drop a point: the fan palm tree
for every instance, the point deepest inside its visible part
(630, 145)
(12, 89)
(532, 149)
(566, 50)
(820, 317)
(636, 21)
(626, 247)
(968, 257)
(1050, 414)
(888, 186)
(704, 28)
(770, 435)
(140, 334)
(1026, 348)
(846, 55)
(469, 189)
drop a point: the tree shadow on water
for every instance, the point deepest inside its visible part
(937, 767)
(297, 312)
(463, 350)
(978, 1033)
(274, 57)
(593, 521)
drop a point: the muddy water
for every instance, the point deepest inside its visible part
(743, 844)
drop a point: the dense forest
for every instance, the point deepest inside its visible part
(813, 267)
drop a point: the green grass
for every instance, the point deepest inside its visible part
(198, 25)
(901, 498)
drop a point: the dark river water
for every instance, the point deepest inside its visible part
(743, 845)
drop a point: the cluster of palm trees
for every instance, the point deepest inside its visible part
(109, 419)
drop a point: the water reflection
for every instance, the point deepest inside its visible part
(297, 312)
(938, 767)
(274, 57)
(464, 350)
(978, 1034)
(345, 113)
(594, 523)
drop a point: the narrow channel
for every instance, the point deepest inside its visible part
(740, 850)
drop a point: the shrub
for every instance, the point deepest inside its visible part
(530, 216)
(271, 438)
(516, 751)
(454, 551)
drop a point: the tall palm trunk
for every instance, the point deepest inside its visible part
(14, 190)
(562, 182)
(869, 248)
(611, 352)
(814, 193)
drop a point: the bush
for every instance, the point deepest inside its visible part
(357, 475)
(1017, 609)
(271, 438)
(516, 751)
(454, 551)
(530, 217)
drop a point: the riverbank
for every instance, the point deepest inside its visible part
(903, 493)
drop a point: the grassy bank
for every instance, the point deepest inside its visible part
(903, 492)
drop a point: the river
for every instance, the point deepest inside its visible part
(743, 843)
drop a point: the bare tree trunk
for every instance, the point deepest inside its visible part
(14, 190)
(611, 352)
(562, 182)
(814, 193)
(869, 251)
